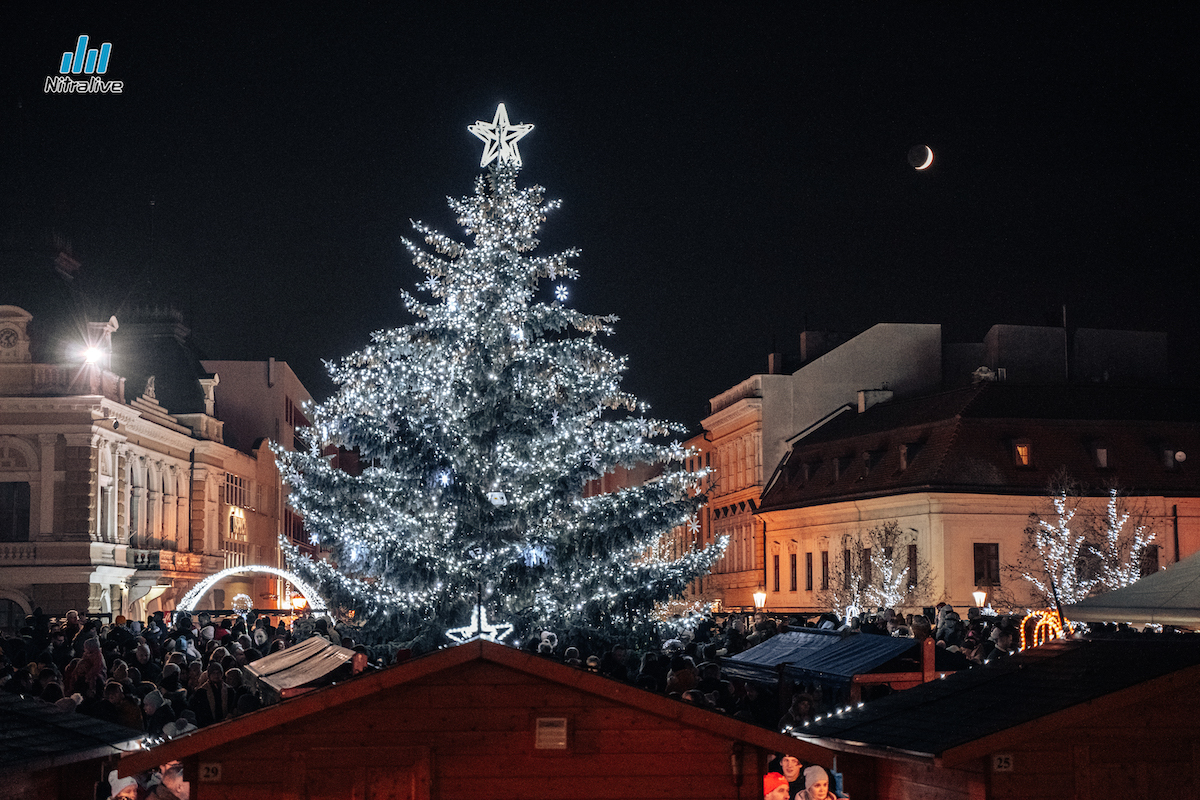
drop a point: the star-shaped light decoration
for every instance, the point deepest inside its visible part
(480, 628)
(500, 138)
(693, 526)
(554, 418)
(561, 293)
(594, 461)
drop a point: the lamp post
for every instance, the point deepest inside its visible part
(760, 600)
(980, 598)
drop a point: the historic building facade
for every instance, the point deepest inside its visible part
(112, 506)
(785, 546)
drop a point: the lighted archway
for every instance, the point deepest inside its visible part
(315, 603)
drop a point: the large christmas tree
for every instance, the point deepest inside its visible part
(481, 423)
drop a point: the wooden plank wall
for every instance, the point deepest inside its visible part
(1145, 749)
(472, 729)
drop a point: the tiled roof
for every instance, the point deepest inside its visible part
(35, 734)
(963, 440)
(934, 718)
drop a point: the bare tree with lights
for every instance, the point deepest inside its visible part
(878, 570)
(480, 424)
(1071, 551)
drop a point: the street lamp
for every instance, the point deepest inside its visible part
(760, 600)
(980, 597)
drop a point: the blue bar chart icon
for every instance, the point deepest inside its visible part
(85, 60)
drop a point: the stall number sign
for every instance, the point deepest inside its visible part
(210, 773)
(1002, 763)
(551, 733)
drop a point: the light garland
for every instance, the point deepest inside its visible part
(1046, 625)
(189, 601)
(479, 426)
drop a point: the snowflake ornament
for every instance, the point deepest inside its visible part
(561, 293)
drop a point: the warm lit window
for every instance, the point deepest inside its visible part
(1023, 453)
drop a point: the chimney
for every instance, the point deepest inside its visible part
(775, 363)
(869, 397)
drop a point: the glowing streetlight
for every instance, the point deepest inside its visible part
(760, 600)
(980, 598)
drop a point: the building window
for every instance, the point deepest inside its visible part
(1100, 455)
(235, 544)
(776, 558)
(987, 564)
(14, 512)
(808, 572)
(824, 570)
(236, 493)
(1022, 453)
(866, 565)
(846, 571)
(792, 559)
(1148, 560)
(912, 566)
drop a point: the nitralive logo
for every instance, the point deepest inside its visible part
(86, 62)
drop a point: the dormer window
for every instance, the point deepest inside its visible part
(1023, 453)
(908, 452)
(1100, 455)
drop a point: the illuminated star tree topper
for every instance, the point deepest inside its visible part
(480, 426)
(500, 138)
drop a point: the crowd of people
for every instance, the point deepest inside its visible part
(164, 679)
(160, 679)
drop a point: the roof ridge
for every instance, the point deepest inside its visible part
(971, 396)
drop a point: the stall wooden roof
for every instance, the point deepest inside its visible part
(981, 710)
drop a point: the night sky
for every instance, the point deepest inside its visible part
(731, 177)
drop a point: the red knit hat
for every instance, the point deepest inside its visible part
(772, 781)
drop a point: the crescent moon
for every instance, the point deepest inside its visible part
(928, 158)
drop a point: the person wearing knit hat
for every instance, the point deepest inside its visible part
(775, 787)
(791, 768)
(157, 712)
(123, 788)
(816, 784)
